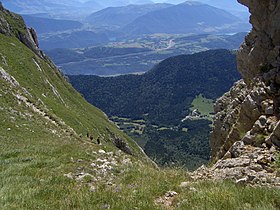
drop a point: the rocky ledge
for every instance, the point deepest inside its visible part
(244, 164)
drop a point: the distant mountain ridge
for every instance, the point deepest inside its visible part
(70, 9)
(188, 17)
(46, 25)
(121, 16)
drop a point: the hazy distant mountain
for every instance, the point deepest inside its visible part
(38, 6)
(46, 25)
(73, 40)
(232, 6)
(223, 4)
(73, 9)
(76, 9)
(142, 2)
(227, 4)
(60, 9)
(112, 3)
(173, 1)
(117, 3)
(120, 16)
(188, 17)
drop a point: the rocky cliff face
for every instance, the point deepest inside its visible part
(246, 136)
(260, 51)
(12, 24)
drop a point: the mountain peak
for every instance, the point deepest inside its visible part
(191, 3)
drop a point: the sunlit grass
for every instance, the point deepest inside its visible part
(203, 105)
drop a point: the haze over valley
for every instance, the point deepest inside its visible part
(129, 36)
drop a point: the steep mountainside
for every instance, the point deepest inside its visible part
(30, 78)
(246, 135)
(188, 17)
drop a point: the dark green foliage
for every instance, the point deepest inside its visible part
(166, 91)
(265, 68)
(175, 147)
(278, 162)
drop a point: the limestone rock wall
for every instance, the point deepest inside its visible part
(247, 123)
(250, 110)
(13, 25)
(260, 50)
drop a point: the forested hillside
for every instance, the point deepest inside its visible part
(158, 108)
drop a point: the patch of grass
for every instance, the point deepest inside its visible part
(260, 139)
(15, 22)
(227, 195)
(185, 130)
(203, 105)
(278, 162)
(164, 129)
(140, 121)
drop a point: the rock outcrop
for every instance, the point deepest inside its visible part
(260, 51)
(245, 141)
(12, 24)
(244, 164)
